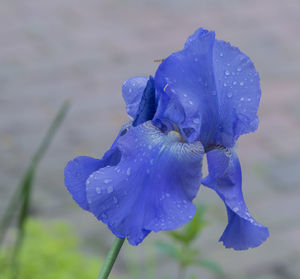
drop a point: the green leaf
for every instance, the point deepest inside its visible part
(209, 265)
(191, 229)
(168, 249)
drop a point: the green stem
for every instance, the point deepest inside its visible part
(111, 258)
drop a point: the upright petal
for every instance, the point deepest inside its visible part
(147, 105)
(186, 88)
(238, 92)
(210, 90)
(132, 91)
(151, 188)
(242, 231)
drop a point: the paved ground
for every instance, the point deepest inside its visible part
(84, 50)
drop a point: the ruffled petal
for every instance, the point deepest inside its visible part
(186, 88)
(242, 231)
(238, 92)
(132, 91)
(210, 90)
(79, 169)
(151, 188)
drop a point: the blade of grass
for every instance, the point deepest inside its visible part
(22, 194)
(27, 181)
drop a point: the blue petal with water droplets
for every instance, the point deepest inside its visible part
(238, 92)
(210, 90)
(79, 169)
(151, 188)
(132, 91)
(186, 88)
(225, 177)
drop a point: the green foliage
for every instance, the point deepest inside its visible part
(50, 252)
(179, 248)
(192, 229)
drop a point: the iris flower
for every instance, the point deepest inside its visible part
(199, 102)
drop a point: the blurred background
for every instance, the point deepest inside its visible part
(85, 50)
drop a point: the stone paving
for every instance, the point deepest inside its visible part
(84, 50)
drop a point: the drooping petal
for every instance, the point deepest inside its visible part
(132, 91)
(151, 188)
(238, 92)
(242, 231)
(210, 90)
(186, 88)
(79, 169)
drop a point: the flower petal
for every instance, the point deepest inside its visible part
(238, 92)
(186, 88)
(132, 91)
(242, 231)
(78, 170)
(147, 105)
(151, 188)
(210, 90)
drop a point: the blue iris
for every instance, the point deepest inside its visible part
(201, 100)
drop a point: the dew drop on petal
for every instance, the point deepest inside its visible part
(229, 94)
(235, 209)
(110, 189)
(227, 73)
(98, 190)
(107, 181)
(239, 69)
(128, 171)
(241, 83)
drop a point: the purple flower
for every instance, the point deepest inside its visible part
(201, 100)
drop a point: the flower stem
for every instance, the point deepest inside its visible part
(111, 258)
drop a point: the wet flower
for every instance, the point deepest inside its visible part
(201, 100)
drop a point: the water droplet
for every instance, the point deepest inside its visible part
(130, 90)
(196, 120)
(239, 69)
(235, 209)
(128, 171)
(234, 83)
(107, 181)
(115, 200)
(190, 217)
(110, 189)
(151, 162)
(241, 83)
(225, 84)
(227, 73)
(190, 102)
(185, 95)
(98, 190)
(242, 99)
(229, 94)
(221, 54)
(249, 99)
